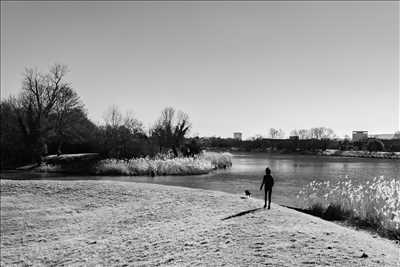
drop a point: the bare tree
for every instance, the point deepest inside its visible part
(68, 110)
(134, 125)
(304, 134)
(322, 132)
(170, 129)
(113, 117)
(40, 93)
(273, 133)
(281, 133)
(328, 133)
(315, 133)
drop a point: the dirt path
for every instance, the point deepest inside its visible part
(121, 223)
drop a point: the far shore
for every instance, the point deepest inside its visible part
(327, 152)
(119, 223)
(361, 154)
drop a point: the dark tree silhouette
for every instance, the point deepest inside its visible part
(123, 136)
(375, 145)
(171, 129)
(67, 113)
(13, 150)
(40, 93)
(134, 125)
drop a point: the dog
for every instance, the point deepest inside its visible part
(247, 193)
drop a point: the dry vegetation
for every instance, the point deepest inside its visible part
(375, 203)
(162, 165)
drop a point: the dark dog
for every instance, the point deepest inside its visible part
(247, 193)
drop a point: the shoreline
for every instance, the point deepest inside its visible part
(327, 153)
(103, 222)
(361, 154)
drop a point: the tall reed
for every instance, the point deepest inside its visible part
(165, 165)
(375, 203)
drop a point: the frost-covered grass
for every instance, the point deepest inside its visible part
(164, 165)
(113, 223)
(375, 203)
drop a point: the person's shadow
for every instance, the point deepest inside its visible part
(241, 214)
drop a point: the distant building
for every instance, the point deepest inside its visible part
(360, 136)
(237, 135)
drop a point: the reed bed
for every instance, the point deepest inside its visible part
(375, 203)
(218, 160)
(165, 165)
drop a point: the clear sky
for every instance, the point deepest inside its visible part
(232, 66)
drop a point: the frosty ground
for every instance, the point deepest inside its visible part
(122, 223)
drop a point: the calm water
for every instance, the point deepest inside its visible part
(291, 173)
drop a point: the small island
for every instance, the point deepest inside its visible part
(93, 164)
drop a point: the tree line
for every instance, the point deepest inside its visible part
(48, 117)
(313, 133)
(302, 146)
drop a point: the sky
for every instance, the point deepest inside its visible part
(231, 66)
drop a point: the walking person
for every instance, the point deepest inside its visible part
(268, 183)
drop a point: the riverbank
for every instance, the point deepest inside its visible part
(117, 223)
(361, 154)
(327, 152)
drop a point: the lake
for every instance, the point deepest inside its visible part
(291, 173)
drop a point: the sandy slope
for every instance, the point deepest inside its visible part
(120, 223)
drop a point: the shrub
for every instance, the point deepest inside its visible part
(218, 160)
